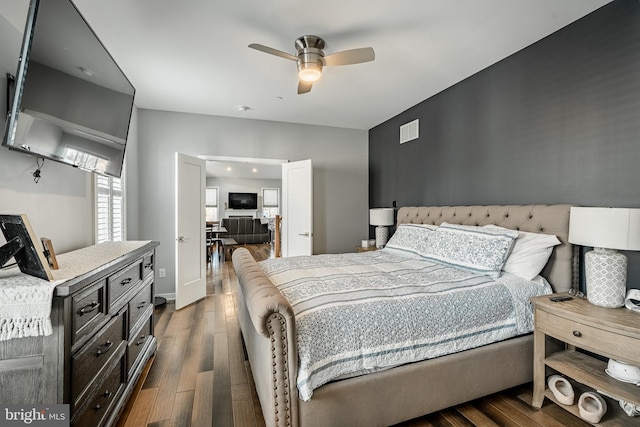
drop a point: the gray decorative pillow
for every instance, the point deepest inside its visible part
(410, 239)
(477, 249)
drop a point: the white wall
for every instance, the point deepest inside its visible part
(340, 162)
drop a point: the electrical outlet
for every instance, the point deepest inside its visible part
(162, 272)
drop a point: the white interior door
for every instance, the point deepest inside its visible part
(191, 281)
(297, 208)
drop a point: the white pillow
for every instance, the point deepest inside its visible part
(410, 239)
(530, 253)
(477, 249)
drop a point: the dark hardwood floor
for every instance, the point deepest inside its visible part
(199, 376)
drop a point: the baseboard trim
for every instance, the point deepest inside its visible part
(168, 297)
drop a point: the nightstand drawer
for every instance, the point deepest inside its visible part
(605, 342)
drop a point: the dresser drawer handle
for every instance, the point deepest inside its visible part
(141, 304)
(577, 334)
(89, 308)
(149, 265)
(142, 340)
(107, 346)
(126, 281)
(107, 394)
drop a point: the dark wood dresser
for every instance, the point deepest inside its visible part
(102, 318)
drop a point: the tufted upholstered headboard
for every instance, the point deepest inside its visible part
(560, 271)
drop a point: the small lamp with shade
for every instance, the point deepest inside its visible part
(607, 230)
(381, 218)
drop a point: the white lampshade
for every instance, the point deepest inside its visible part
(607, 230)
(611, 228)
(381, 216)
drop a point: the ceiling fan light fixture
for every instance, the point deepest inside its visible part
(310, 58)
(309, 71)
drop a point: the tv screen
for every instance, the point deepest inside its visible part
(72, 103)
(243, 200)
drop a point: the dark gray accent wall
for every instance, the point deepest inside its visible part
(558, 122)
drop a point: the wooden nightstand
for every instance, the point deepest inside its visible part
(609, 332)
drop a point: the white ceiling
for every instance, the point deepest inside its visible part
(243, 167)
(192, 55)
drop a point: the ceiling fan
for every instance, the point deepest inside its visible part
(311, 58)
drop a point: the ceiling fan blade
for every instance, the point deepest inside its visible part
(304, 87)
(272, 51)
(352, 56)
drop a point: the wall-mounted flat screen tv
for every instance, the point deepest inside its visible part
(243, 200)
(72, 102)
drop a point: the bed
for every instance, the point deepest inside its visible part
(393, 394)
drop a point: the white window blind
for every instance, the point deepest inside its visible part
(109, 209)
(212, 197)
(270, 198)
(270, 202)
(211, 203)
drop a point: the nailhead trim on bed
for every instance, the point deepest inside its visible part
(276, 327)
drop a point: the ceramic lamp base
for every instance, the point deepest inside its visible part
(606, 277)
(382, 235)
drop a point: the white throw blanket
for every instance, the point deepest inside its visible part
(25, 305)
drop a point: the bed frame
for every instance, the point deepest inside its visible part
(408, 391)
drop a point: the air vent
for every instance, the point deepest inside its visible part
(409, 131)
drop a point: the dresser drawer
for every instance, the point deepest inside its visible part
(147, 264)
(139, 305)
(601, 341)
(98, 403)
(138, 342)
(88, 310)
(94, 355)
(122, 281)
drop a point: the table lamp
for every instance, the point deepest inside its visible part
(382, 218)
(607, 230)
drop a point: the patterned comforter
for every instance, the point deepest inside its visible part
(364, 312)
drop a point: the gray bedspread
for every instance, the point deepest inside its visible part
(359, 313)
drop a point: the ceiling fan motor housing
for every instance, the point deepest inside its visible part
(310, 57)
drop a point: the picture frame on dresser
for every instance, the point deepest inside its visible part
(21, 246)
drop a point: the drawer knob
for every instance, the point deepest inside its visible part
(107, 394)
(142, 304)
(89, 308)
(97, 407)
(577, 334)
(142, 340)
(107, 346)
(126, 281)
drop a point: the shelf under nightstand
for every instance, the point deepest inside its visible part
(612, 333)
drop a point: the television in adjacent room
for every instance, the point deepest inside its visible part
(72, 102)
(243, 200)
